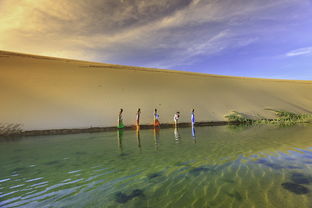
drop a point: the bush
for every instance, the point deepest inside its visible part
(283, 118)
(238, 117)
(10, 129)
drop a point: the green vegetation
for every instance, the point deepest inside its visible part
(7, 129)
(283, 118)
(238, 117)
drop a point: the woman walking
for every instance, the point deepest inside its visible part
(156, 119)
(120, 123)
(176, 118)
(193, 118)
(138, 118)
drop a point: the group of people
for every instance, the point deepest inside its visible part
(156, 118)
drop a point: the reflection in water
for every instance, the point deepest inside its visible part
(177, 135)
(193, 134)
(261, 166)
(139, 139)
(156, 138)
(120, 133)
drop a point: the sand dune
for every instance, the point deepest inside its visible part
(50, 93)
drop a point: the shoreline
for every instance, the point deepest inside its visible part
(48, 132)
(40, 93)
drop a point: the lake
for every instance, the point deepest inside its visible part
(225, 166)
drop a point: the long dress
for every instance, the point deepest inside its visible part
(120, 123)
(176, 118)
(156, 120)
(193, 119)
(138, 119)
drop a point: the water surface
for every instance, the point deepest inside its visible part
(203, 167)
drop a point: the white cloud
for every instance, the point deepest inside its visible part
(106, 30)
(300, 52)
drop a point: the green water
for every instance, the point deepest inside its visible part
(219, 167)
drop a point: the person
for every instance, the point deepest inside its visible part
(120, 123)
(193, 118)
(138, 118)
(176, 118)
(156, 119)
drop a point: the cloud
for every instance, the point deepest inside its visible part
(161, 33)
(300, 52)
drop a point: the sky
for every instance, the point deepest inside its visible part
(250, 38)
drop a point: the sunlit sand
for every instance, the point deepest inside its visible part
(51, 93)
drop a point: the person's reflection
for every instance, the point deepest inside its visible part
(194, 134)
(177, 135)
(139, 139)
(156, 137)
(119, 140)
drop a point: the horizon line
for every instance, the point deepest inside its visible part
(150, 69)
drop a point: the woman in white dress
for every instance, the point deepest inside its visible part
(176, 118)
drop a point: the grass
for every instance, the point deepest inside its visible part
(235, 116)
(7, 129)
(283, 118)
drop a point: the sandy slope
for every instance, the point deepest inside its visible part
(45, 93)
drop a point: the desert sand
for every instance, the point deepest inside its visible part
(52, 93)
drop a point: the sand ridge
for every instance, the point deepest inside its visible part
(50, 93)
